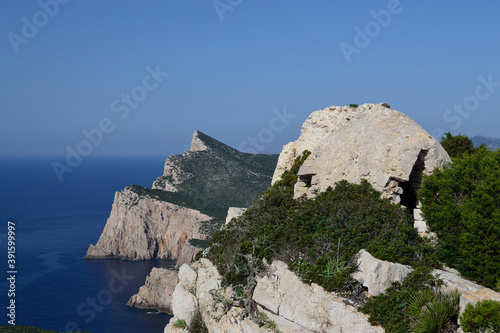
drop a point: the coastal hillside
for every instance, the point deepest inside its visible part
(189, 201)
(211, 176)
(333, 245)
(491, 143)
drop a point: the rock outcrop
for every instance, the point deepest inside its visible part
(212, 176)
(142, 227)
(370, 141)
(292, 305)
(157, 291)
(195, 187)
(298, 307)
(377, 275)
(234, 212)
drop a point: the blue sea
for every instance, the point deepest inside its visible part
(55, 287)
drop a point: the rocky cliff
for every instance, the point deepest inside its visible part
(281, 299)
(141, 227)
(370, 141)
(188, 201)
(285, 303)
(157, 292)
(212, 176)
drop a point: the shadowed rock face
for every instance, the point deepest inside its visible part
(157, 292)
(371, 141)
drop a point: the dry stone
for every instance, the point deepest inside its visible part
(157, 292)
(303, 308)
(142, 228)
(234, 212)
(377, 275)
(371, 141)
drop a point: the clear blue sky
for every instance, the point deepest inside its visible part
(231, 66)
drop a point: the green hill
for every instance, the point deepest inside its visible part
(211, 177)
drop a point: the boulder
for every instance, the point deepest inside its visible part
(157, 292)
(470, 292)
(371, 141)
(377, 275)
(305, 308)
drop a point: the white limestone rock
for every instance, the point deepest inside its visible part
(234, 212)
(142, 228)
(377, 275)
(470, 292)
(303, 308)
(157, 292)
(371, 141)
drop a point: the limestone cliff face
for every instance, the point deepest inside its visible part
(370, 141)
(157, 292)
(142, 227)
(280, 295)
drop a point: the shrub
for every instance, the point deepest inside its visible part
(180, 323)
(197, 325)
(458, 145)
(390, 309)
(461, 203)
(432, 311)
(318, 237)
(354, 105)
(480, 318)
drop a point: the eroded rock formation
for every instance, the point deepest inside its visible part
(292, 305)
(157, 292)
(141, 228)
(370, 141)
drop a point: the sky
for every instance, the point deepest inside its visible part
(137, 78)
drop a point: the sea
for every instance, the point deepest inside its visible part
(55, 288)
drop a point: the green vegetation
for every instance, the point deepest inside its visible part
(461, 204)
(214, 179)
(264, 321)
(197, 325)
(180, 323)
(480, 318)
(354, 105)
(433, 311)
(317, 237)
(457, 146)
(390, 309)
(25, 329)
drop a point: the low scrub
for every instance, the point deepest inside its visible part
(318, 237)
(482, 317)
